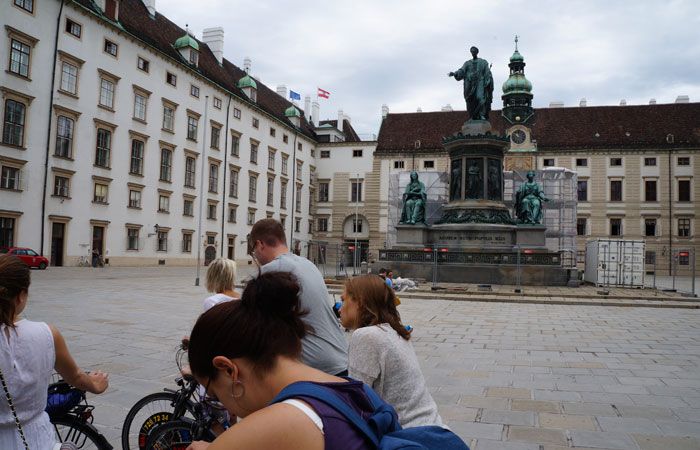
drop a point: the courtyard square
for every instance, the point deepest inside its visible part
(505, 376)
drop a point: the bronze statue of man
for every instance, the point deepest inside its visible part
(478, 85)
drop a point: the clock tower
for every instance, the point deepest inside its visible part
(518, 113)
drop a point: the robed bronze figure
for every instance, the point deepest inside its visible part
(528, 201)
(478, 85)
(414, 200)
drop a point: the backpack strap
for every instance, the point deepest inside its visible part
(307, 389)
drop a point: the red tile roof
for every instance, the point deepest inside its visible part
(161, 33)
(559, 128)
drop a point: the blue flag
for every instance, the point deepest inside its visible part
(293, 95)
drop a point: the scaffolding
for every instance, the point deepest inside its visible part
(559, 214)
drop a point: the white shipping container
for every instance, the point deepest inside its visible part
(615, 262)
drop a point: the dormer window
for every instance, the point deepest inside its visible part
(188, 47)
(194, 57)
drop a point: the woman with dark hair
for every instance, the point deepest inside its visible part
(380, 352)
(29, 354)
(245, 352)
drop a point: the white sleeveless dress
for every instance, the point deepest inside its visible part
(27, 361)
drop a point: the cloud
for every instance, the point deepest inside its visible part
(367, 53)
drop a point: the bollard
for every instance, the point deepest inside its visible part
(363, 268)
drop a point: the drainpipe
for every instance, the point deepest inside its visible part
(294, 189)
(201, 189)
(223, 190)
(670, 213)
(48, 129)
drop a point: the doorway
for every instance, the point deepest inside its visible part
(209, 254)
(98, 239)
(353, 257)
(58, 230)
(231, 247)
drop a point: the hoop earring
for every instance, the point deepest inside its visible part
(241, 391)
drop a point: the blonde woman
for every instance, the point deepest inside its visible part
(221, 280)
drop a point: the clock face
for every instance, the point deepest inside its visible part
(518, 136)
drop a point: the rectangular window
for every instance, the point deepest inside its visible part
(232, 212)
(110, 47)
(139, 106)
(285, 138)
(297, 200)
(581, 162)
(683, 227)
(13, 129)
(215, 137)
(19, 58)
(27, 5)
(270, 191)
(192, 128)
(236, 113)
(100, 193)
(649, 227)
(582, 190)
(428, 164)
(132, 239)
(325, 154)
(324, 189)
(683, 190)
(297, 225)
(300, 166)
(273, 132)
(235, 145)
(163, 203)
(323, 224)
(7, 231)
(186, 242)
(356, 191)
(548, 162)
(9, 178)
(581, 226)
(615, 190)
(271, 160)
(650, 257)
(194, 90)
(649, 162)
(233, 185)
(398, 164)
(299, 146)
(69, 78)
(171, 79)
(650, 190)
(615, 227)
(213, 178)
(142, 64)
(357, 226)
(283, 195)
(166, 164)
(134, 198)
(211, 211)
(256, 122)
(683, 161)
(188, 207)
(74, 28)
(253, 189)
(190, 171)
(615, 162)
(254, 152)
(285, 162)
(683, 258)
(357, 153)
(103, 147)
(136, 166)
(64, 137)
(61, 186)
(217, 103)
(162, 241)
(106, 93)
(168, 118)
(251, 217)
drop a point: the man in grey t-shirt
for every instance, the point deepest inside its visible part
(325, 348)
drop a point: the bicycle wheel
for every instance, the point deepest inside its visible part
(176, 435)
(146, 414)
(85, 436)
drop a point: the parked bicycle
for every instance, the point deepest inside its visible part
(182, 410)
(71, 416)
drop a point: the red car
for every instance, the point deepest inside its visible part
(29, 256)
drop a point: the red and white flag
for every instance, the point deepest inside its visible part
(323, 93)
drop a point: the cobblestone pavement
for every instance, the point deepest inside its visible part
(505, 376)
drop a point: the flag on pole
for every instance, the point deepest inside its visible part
(323, 93)
(294, 96)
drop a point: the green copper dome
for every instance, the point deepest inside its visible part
(517, 57)
(247, 81)
(186, 41)
(292, 112)
(517, 83)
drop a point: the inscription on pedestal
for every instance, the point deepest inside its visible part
(472, 238)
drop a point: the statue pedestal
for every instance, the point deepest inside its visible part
(412, 235)
(531, 236)
(476, 127)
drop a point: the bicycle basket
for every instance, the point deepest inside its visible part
(62, 397)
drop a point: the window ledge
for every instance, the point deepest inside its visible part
(102, 167)
(134, 174)
(106, 108)
(16, 147)
(64, 197)
(167, 131)
(191, 140)
(165, 181)
(69, 94)
(11, 189)
(66, 158)
(18, 75)
(163, 212)
(134, 207)
(188, 215)
(136, 119)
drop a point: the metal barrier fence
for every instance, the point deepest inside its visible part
(683, 277)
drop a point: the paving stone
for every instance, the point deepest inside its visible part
(507, 392)
(457, 412)
(628, 425)
(536, 435)
(484, 402)
(602, 439)
(648, 412)
(675, 428)
(534, 405)
(525, 418)
(477, 430)
(591, 409)
(666, 442)
(487, 444)
(688, 414)
(567, 422)
(658, 400)
(544, 394)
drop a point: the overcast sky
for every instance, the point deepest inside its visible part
(399, 52)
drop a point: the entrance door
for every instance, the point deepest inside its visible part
(98, 239)
(209, 254)
(57, 232)
(355, 256)
(231, 247)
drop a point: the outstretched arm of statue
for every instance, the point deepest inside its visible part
(451, 74)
